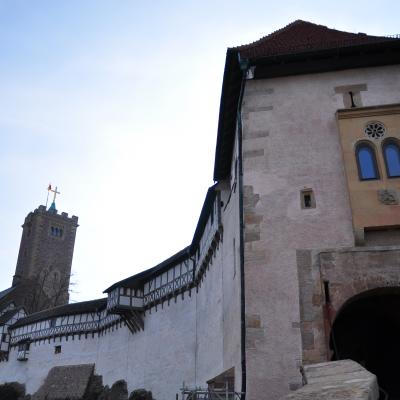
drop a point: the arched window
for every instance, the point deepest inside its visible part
(366, 162)
(391, 153)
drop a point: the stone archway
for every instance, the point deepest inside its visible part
(329, 280)
(367, 330)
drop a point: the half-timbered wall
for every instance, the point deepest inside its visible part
(125, 297)
(177, 278)
(191, 336)
(4, 328)
(208, 238)
(63, 325)
(9, 307)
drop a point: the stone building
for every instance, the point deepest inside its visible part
(42, 274)
(296, 255)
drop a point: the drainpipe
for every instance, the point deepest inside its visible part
(244, 65)
(194, 259)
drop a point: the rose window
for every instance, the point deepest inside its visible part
(375, 130)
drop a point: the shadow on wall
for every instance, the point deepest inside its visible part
(367, 330)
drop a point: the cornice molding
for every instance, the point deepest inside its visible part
(372, 111)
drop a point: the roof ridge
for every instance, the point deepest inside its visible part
(270, 35)
(265, 40)
(65, 309)
(67, 305)
(152, 270)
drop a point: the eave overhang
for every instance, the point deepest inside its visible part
(136, 281)
(204, 215)
(227, 115)
(66, 309)
(333, 59)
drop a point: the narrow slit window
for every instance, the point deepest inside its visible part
(57, 349)
(366, 162)
(327, 293)
(307, 199)
(352, 99)
(391, 152)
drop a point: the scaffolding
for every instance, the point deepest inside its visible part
(209, 394)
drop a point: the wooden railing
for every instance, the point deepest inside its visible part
(181, 282)
(59, 330)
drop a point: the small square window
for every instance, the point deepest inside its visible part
(57, 349)
(307, 199)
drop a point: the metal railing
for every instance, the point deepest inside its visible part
(209, 394)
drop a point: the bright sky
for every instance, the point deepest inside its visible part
(116, 102)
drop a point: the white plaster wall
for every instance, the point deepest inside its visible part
(209, 323)
(292, 121)
(159, 358)
(170, 347)
(231, 277)
(42, 359)
(182, 341)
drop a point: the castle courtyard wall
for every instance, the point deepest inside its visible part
(291, 143)
(231, 274)
(189, 339)
(159, 358)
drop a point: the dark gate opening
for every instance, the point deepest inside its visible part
(367, 330)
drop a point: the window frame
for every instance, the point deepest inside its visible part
(303, 194)
(359, 145)
(385, 143)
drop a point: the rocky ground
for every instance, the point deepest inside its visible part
(74, 382)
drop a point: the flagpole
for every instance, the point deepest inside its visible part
(48, 191)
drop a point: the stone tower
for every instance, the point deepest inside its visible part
(43, 269)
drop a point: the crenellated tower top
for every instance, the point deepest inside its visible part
(45, 257)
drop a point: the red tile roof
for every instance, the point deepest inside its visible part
(299, 48)
(302, 36)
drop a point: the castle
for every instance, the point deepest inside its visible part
(296, 255)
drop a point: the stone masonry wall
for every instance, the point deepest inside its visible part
(344, 274)
(44, 260)
(290, 144)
